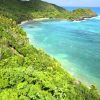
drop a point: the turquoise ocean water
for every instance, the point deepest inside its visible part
(75, 44)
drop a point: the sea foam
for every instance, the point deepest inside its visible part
(97, 17)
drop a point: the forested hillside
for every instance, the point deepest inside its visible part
(27, 73)
(24, 10)
(20, 11)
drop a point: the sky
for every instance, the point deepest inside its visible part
(75, 3)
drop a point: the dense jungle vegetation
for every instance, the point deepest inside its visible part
(27, 73)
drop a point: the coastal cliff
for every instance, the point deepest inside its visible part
(25, 72)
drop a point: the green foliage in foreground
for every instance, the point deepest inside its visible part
(29, 74)
(20, 11)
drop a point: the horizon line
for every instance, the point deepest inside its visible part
(81, 6)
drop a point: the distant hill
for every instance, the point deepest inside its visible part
(27, 73)
(19, 10)
(24, 10)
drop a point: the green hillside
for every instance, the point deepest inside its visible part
(27, 73)
(19, 11)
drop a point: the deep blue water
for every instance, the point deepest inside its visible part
(75, 44)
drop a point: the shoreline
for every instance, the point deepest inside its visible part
(45, 19)
(78, 78)
(33, 20)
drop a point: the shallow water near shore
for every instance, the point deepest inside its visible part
(75, 44)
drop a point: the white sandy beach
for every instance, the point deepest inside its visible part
(37, 19)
